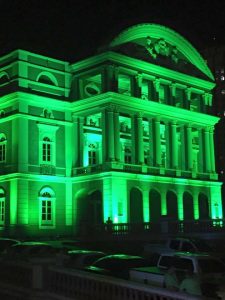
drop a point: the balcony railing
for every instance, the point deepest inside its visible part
(46, 169)
(142, 169)
(26, 281)
(155, 228)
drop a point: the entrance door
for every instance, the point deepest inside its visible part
(155, 206)
(136, 206)
(171, 203)
(188, 207)
(94, 208)
(203, 207)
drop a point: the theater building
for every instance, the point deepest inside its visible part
(125, 134)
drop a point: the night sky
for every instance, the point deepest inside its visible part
(71, 30)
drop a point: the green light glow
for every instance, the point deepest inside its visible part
(116, 135)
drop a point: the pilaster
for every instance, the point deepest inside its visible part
(117, 136)
(207, 153)
(211, 144)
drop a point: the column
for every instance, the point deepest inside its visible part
(81, 140)
(22, 202)
(212, 153)
(13, 201)
(150, 141)
(138, 85)
(180, 205)
(75, 143)
(69, 149)
(69, 204)
(146, 211)
(133, 140)
(172, 100)
(168, 145)
(23, 145)
(207, 150)
(155, 143)
(186, 139)
(163, 203)
(156, 84)
(110, 135)
(174, 148)
(23, 138)
(109, 82)
(139, 140)
(201, 166)
(216, 202)
(203, 103)
(189, 148)
(117, 136)
(196, 206)
(187, 98)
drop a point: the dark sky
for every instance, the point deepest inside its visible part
(71, 30)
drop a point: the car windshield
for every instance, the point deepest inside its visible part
(111, 263)
(202, 246)
(211, 266)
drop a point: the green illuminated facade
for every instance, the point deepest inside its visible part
(125, 134)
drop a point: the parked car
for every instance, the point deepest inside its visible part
(177, 244)
(5, 243)
(82, 258)
(117, 265)
(64, 244)
(207, 269)
(32, 251)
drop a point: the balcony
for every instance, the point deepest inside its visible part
(46, 169)
(142, 169)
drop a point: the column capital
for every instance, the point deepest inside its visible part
(139, 115)
(157, 119)
(173, 123)
(156, 82)
(173, 87)
(74, 118)
(188, 93)
(111, 108)
(207, 129)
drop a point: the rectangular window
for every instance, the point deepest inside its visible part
(127, 156)
(124, 84)
(46, 215)
(2, 153)
(46, 152)
(92, 157)
(2, 212)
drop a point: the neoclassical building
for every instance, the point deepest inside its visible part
(125, 134)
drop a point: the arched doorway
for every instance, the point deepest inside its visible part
(171, 204)
(203, 205)
(154, 206)
(188, 208)
(136, 206)
(94, 208)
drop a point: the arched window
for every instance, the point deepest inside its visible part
(47, 78)
(4, 78)
(46, 150)
(2, 113)
(3, 143)
(47, 207)
(2, 207)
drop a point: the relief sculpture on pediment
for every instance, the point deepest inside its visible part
(161, 47)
